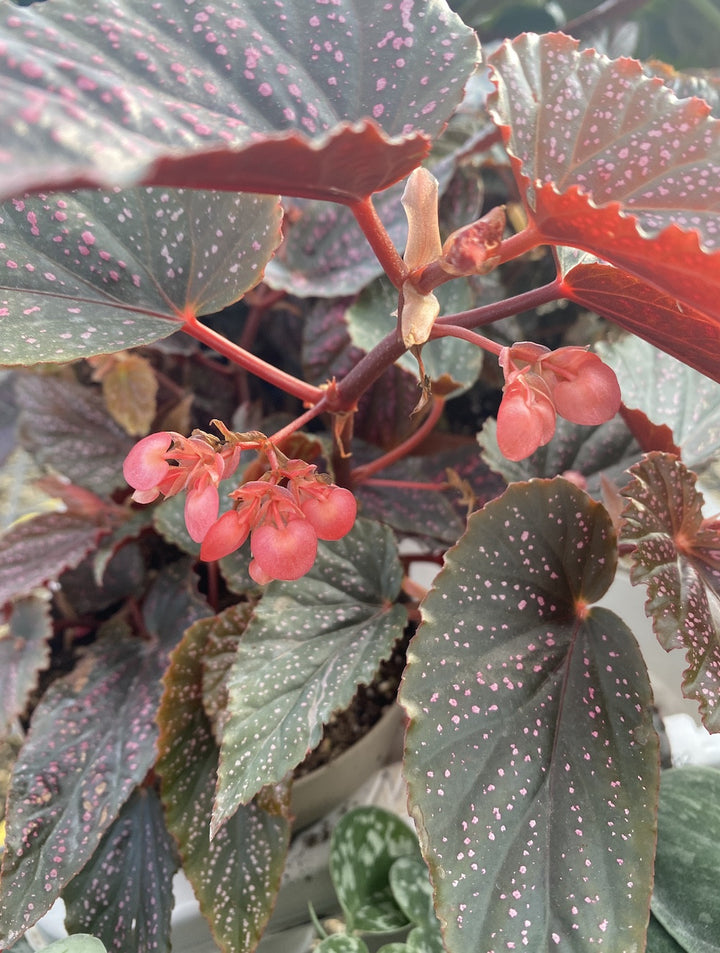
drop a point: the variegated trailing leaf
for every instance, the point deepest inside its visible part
(91, 741)
(67, 427)
(688, 855)
(342, 943)
(226, 95)
(36, 551)
(236, 873)
(94, 272)
(79, 943)
(612, 162)
(25, 630)
(124, 895)
(530, 756)
(309, 645)
(639, 307)
(365, 844)
(676, 557)
(412, 890)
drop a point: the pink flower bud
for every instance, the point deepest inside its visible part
(201, 509)
(145, 466)
(526, 418)
(226, 535)
(585, 390)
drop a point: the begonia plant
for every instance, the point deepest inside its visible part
(285, 286)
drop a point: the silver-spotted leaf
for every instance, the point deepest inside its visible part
(124, 894)
(688, 855)
(235, 874)
(25, 632)
(531, 761)
(308, 99)
(94, 272)
(222, 636)
(676, 558)
(309, 645)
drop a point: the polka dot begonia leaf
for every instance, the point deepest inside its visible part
(610, 161)
(327, 100)
(96, 272)
(530, 756)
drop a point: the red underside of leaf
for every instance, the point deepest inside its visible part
(683, 332)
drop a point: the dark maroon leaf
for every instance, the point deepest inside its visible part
(611, 162)
(229, 95)
(530, 757)
(123, 576)
(223, 634)
(236, 874)
(676, 558)
(95, 272)
(39, 550)
(66, 426)
(124, 894)
(25, 629)
(91, 741)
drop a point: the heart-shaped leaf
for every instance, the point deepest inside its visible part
(412, 890)
(530, 756)
(24, 652)
(688, 855)
(639, 307)
(611, 162)
(236, 874)
(124, 894)
(232, 96)
(676, 558)
(365, 844)
(309, 645)
(75, 772)
(94, 272)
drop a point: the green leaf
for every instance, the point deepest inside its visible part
(411, 887)
(425, 939)
(365, 844)
(531, 760)
(124, 894)
(676, 558)
(79, 943)
(235, 874)
(24, 652)
(95, 272)
(659, 940)
(342, 943)
(91, 741)
(309, 645)
(685, 899)
(612, 162)
(234, 96)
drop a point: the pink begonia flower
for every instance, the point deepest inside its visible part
(540, 383)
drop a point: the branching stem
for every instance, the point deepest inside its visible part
(361, 474)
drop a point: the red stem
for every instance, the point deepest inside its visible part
(479, 340)
(361, 474)
(520, 243)
(408, 485)
(280, 435)
(308, 393)
(379, 240)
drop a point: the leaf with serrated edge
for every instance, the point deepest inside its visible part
(75, 772)
(96, 272)
(24, 652)
(309, 645)
(124, 895)
(223, 634)
(611, 161)
(688, 856)
(235, 96)
(530, 757)
(677, 561)
(236, 874)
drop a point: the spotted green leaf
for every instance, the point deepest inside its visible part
(25, 630)
(676, 558)
(94, 272)
(306, 100)
(412, 890)
(342, 943)
(124, 895)
(531, 761)
(308, 646)
(79, 943)
(685, 896)
(610, 161)
(365, 844)
(75, 771)
(236, 873)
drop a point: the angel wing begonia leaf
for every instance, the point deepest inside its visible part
(531, 762)
(94, 272)
(302, 98)
(610, 161)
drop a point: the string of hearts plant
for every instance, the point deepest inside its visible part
(216, 618)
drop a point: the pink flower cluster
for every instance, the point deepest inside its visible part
(284, 512)
(540, 384)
